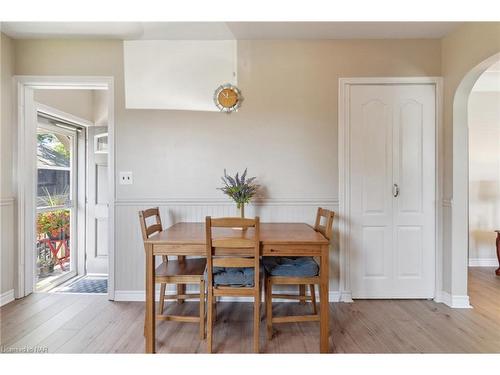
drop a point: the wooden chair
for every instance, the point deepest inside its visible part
(179, 272)
(307, 278)
(230, 250)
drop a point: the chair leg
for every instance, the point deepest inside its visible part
(313, 298)
(210, 317)
(269, 307)
(162, 298)
(302, 294)
(181, 289)
(256, 321)
(215, 309)
(202, 309)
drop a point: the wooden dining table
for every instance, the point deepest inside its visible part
(277, 239)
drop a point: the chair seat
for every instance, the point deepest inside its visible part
(233, 276)
(188, 267)
(292, 267)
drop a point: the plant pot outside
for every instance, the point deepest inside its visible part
(60, 236)
(45, 269)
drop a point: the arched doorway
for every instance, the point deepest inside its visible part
(460, 202)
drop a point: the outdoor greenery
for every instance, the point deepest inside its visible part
(52, 200)
(54, 224)
(55, 144)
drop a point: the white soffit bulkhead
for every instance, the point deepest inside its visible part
(177, 74)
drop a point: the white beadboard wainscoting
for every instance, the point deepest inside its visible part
(129, 248)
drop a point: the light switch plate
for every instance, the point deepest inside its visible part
(126, 178)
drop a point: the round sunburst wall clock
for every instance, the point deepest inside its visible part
(228, 98)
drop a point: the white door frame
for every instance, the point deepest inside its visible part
(344, 173)
(25, 167)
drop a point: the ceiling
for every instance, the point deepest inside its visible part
(228, 30)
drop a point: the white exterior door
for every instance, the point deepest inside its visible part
(97, 208)
(392, 191)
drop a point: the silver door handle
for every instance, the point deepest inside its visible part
(395, 190)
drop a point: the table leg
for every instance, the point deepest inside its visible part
(181, 288)
(497, 272)
(324, 305)
(150, 300)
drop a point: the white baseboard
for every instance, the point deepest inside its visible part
(131, 295)
(6, 297)
(454, 301)
(139, 296)
(483, 262)
(335, 296)
(345, 297)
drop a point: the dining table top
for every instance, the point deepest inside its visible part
(270, 233)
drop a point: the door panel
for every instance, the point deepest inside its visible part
(101, 211)
(97, 208)
(391, 241)
(414, 208)
(409, 255)
(102, 184)
(410, 157)
(101, 237)
(371, 178)
(375, 240)
(375, 149)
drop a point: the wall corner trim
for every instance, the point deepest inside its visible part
(346, 297)
(453, 301)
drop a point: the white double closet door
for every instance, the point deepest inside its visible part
(392, 191)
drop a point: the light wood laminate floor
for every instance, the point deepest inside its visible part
(69, 323)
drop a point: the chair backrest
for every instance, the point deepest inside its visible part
(326, 228)
(149, 230)
(240, 249)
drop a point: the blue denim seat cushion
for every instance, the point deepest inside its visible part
(231, 276)
(293, 266)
